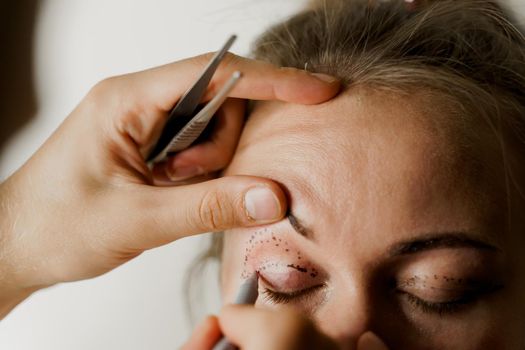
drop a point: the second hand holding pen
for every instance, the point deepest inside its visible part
(248, 293)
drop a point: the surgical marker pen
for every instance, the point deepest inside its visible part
(248, 293)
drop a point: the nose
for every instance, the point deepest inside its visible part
(345, 316)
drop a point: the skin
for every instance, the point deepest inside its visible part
(365, 172)
(86, 203)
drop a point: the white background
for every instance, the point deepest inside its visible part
(139, 305)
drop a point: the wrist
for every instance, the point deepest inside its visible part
(9, 300)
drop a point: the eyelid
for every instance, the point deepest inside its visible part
(285, 276)
(448, 290)
(299, 293)
(296, 296)
(460, 296)
(439, 308)
(264, 283)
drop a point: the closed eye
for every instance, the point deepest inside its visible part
(295, 296)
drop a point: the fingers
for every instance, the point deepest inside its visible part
(141, 100)
(213, 154)
(370, 341)
(171, 213)
(205, 335)
(253, 329)
(261, 81)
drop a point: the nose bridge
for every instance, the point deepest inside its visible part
(346, 315)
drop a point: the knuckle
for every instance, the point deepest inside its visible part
(105, 92)
(215, 211)
(103, 87)
(107, 103)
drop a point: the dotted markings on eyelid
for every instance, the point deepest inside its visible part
(260, 237)
(421, 281)
(311, 271)
(298, 268)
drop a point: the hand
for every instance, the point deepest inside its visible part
(85, 201)
(256, 329)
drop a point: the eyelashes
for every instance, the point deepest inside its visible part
(302, 295)
(439, 308)
(461, 301)
(442, 308)
(461, 298)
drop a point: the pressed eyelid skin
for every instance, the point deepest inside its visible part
(266, 251)
(285, 274)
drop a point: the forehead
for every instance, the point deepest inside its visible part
(359, 155)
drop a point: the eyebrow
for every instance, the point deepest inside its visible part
(298, 226)
(440, 240)
(420, 244)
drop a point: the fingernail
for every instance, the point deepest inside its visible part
(181, 173)
(370, 341)
(261, 204)
(325, 77)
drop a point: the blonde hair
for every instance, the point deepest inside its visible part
(469, 52)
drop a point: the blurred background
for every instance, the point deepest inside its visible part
(51, 53)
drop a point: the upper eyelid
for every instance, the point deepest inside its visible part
(269, 286)
(265, 281)
(300, 293)
(315, 293)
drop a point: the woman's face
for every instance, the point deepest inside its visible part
(392, 227)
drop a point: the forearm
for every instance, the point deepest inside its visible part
(12, 290)
(9, 301)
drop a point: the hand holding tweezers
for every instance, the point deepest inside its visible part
(183, 126)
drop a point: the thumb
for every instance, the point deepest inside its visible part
(211, 206)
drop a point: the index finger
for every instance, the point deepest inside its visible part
(283, 329)
(261, 81)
